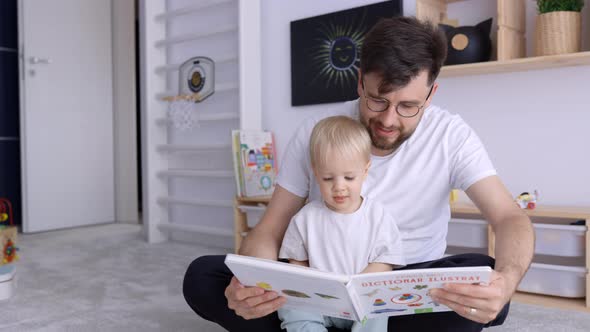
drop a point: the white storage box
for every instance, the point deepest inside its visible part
(7, 281)
(557, 280)
(471, 233)
(559, 240)
(253, 213)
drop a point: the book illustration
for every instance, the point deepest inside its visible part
(371, 293)
(254, 162)
(379, 302)
(264, 285)
(259, 163)
(406, 298)
(295, 293)
(357, 297)
(324, 296)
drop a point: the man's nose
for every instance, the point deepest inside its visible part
(389, 117)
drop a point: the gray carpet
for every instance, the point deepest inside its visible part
(106, 278)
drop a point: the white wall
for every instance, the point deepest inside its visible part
(124, 106)
(534, 124)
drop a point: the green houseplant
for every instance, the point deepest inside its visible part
(558, 26)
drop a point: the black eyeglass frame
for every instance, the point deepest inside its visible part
(419, 108)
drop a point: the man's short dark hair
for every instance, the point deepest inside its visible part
(399, 48)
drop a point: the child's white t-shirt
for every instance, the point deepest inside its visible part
(413, 183)
(343, 243)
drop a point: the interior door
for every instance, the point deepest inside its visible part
(66, 113)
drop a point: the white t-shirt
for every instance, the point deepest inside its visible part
(413, 183)
(343, 242)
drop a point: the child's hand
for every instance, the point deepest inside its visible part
(251, 302)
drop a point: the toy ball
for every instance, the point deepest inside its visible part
(3, 216)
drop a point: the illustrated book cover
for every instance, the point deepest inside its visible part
(357, 297)
(255, 163)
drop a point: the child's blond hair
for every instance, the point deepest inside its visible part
(341, 135)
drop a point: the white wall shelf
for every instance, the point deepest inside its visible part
(205, 118)
(202, 5)
(196, 148)
(197, 202)
(218, 60)
(195, 173)
(219, 88)
(171, 32)
(195, 36)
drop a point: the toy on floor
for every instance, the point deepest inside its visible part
(8, 250)
(8, 233)
(527, 201)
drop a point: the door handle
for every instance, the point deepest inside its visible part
(35, 60)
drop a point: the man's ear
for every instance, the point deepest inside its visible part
(434, 88)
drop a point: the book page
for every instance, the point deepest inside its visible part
(406, 292)
(304, 288)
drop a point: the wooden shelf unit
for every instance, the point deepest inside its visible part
(241, 219)
(510, 48)
(517, 65)
(566, 214)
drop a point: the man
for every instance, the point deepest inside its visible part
(419, 153)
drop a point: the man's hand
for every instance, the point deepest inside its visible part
(251, 302)
(476, 302)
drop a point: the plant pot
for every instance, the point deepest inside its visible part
(557, 33)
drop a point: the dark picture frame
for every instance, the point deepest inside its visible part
(325, 52)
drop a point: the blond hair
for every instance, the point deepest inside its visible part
(341, 135)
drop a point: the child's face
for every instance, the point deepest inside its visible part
(341, 181)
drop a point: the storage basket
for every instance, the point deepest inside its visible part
(557, 33)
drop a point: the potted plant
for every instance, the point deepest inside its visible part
(558, 26)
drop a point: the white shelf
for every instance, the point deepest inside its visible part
(197, 35)
(193, 148)
(219, 87)
(196, 202)
(204, 118)
(195, 229)
(218, 60)
(195, 173)
(203, 4)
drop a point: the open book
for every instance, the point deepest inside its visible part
(357, 297)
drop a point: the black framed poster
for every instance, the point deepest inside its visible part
(325, 52)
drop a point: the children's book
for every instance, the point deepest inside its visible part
(357, 297)
(254, 162)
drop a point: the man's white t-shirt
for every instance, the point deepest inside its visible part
(343, 242)
(413, 183)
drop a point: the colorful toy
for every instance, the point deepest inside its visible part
(527, 201)
(8, 233)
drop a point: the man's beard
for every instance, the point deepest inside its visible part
(382, 143)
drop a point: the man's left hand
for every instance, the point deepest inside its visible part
(476, 302)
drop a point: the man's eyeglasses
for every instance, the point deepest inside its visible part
(381, 105)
